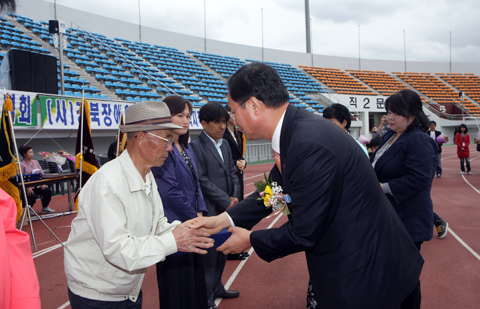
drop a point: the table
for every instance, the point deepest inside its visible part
(54, 178)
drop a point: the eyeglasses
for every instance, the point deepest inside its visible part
(232, 113)
(169, 141)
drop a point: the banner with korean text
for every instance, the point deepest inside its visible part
(63, 113)
(24, 108)
(361, 103)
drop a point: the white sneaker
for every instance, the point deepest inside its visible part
(469, 173)
(462, 173)
(47, 210)
(32, 213)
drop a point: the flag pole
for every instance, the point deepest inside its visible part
(118, 136)
(81, 139)
(25, 191)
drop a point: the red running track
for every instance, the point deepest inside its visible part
(450, 278)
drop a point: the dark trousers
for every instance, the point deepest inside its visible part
(79, 302)
(45, 196)
(214, 263)
(414, 299)
(462, 162)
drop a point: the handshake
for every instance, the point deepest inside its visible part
(193, 235)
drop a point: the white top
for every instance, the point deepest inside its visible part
(217, 144)
(432, 134)
(276, 134)
(120, 230)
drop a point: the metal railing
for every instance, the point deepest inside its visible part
(258, 152)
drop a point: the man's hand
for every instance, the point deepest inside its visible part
(241, 164)
(29, 191)
(384, 120)
(189, 240)
(237, 243)
(211, 225)
(43, 187)
(234, 201)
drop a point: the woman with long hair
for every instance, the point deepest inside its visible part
(405, 163)
(181, 278)
(462, 140)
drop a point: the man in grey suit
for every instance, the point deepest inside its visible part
(220, 187)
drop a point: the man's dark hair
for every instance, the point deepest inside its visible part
(213, 112)
(176, 104)
(339, 112)
(24, 149)
(258, 80)
(7, 6)
(407, 103)
(433, 122)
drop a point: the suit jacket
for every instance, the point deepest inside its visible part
(176, 186)
(359, 254)
(408, 167)
(237, 154)
(218, 177)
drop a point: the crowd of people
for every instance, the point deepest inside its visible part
(361, 224)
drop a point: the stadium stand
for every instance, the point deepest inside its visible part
(339, 81)
(380, 81)
(467, 83)
(136, 71)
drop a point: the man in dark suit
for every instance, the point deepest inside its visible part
(236, 140)
(220, 187)
(358, 252)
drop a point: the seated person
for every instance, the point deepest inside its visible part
(31, 166)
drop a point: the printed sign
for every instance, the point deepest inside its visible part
(24, 108)
(362, 103)
(63, 113)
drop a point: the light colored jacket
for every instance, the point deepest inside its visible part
(118, 233)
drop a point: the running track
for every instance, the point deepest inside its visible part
(450, 277)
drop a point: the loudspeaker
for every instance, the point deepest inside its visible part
(33, 72)
(53, 26)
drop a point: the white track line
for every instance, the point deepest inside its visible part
(253, 176)
(463, 176)
(45, 251)
(242, 263)
(64, 305)
(464, 244)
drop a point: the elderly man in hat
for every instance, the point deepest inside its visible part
(120, 228)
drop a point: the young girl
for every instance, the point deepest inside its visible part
(462, 140)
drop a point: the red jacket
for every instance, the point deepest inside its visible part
(462, 142)
(18, 278)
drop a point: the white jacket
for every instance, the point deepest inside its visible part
(118, 233)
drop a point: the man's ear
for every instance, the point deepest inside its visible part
(204, 123)
(256, 105)
(344, 124)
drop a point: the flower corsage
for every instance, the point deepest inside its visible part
(272, 195)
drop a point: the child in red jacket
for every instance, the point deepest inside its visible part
(462, 140)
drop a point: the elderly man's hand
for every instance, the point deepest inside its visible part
(238, 242)
(189, 240)
(211, 225)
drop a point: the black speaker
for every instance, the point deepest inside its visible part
(33, 72)
(53, 26)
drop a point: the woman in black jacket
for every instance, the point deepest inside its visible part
(405, 164)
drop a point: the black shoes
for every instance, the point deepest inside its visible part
(442, 228)
(228, 294)
(239, 256)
